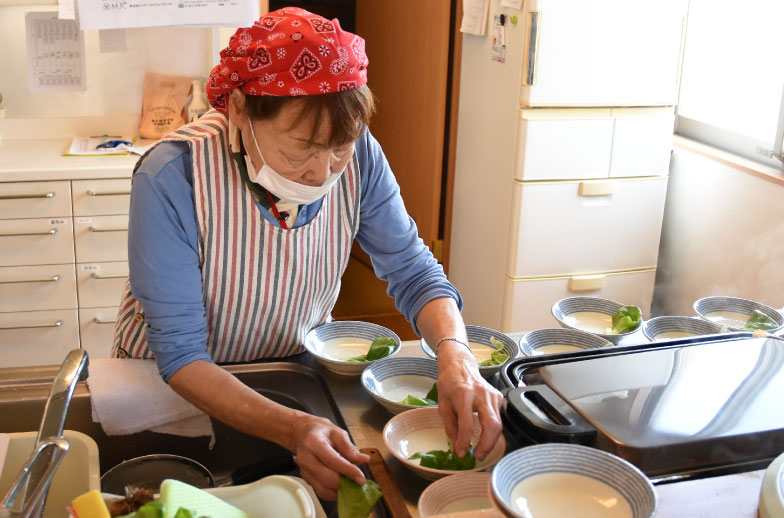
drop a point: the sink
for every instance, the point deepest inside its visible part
(235, 455)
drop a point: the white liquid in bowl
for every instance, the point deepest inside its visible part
(343, 348)
(481, 352)
(672, 334)
(590, 321)
(728, 318)
(397, 388)
(565, 495)
(555, 348)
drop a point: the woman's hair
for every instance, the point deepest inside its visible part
(349, 112)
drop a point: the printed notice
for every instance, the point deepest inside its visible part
(475, 17)
(123, 14)
(55, 53)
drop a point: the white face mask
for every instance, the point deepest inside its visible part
(284, 188)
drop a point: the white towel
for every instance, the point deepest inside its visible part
(129, 396)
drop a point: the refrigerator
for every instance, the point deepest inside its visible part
(562, 156)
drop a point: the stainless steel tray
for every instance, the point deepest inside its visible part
(674, 408)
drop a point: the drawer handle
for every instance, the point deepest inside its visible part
(587, 282)
(27, 196)
(108, 193)
(54, 278)
(48, 232)
(597, 188)
(101, 321)
(93, 229)
(32, 326)
(114, 276)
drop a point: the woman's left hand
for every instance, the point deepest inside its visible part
(461, 392)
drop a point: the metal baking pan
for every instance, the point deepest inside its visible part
(675, 409)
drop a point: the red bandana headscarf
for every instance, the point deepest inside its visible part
(288, 52)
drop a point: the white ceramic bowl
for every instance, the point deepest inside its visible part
(772, 492)
(564, 309)
(564, 480)
(560, 340)
(333, 342)
(732, 312)
(478, 335)
(421, 430)
(390, 380)
(456, 493)
(676, 326)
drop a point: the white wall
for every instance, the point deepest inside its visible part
(723, 234)
(114, 80)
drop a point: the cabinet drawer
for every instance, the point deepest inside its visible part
(35, 200)
(101, 284)
(101, 197)
(101, 238)
(603, 225)
(96, 330)
(31, 288)
(528, 302)
(36, 241)
(642, 141)
(37, 337)
(563, 144)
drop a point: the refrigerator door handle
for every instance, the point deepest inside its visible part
(532, 48)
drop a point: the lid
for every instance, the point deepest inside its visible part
(668, 409)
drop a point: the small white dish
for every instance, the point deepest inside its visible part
(334, 342)
(421, 430)
(456, 493)
(390, 380)
(479, 342)
(559, 480)
(772, 493)
(672, 327)
(733, 312)
(272, 497)
(560, 340)
(590, 314)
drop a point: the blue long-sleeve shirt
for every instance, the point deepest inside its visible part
(163, 250)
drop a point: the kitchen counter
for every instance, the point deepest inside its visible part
(730, 496)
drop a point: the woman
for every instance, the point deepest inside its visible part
(241, 226)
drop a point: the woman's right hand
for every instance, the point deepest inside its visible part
(324, 452)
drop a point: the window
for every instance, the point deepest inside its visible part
(732, 80)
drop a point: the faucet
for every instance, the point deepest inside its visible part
(27, 497)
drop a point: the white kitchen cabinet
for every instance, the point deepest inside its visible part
(96, 330)
(591, 225)
(20, 200)
(63, 259)
(101, 197)
(101, 284)
(36, 241)
(101, 238)
(37, 337)
(32, 288)
(599, 53)
(525, 300)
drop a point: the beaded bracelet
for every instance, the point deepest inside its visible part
(450, 338)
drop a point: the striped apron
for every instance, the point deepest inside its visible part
(263, 287)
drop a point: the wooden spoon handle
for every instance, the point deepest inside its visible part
(393, 498)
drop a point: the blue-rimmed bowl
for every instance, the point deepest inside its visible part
(604, 309)
(732, 312)
(560, 340)
(675, 326)
(565, 480)
(332, 343)
(478, 335)
(390, 380)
